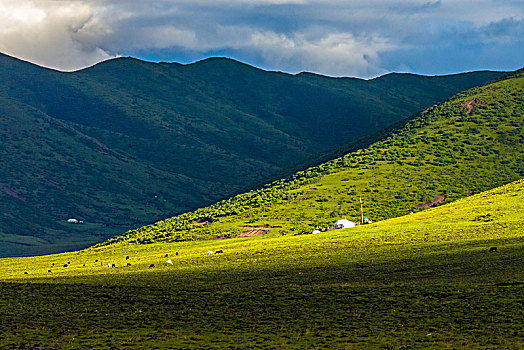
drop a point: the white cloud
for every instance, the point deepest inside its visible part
(335, 37)
(338, 54)
(44, 32)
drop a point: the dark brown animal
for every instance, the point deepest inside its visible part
(152, 265)
(493, 249)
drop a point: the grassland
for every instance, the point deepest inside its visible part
(126, 142)
(412, 280)
(471, 143)
(425, 280)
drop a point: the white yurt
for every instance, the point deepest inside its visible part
(344, 223)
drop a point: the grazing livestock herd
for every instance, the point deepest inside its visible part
(168, 262)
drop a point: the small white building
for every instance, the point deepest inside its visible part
(344, 223)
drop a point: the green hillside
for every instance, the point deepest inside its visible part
(468, 144)
(425, 280)
(125, 143)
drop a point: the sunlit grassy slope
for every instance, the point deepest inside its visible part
(492, 215)
(425, 280)
(468, 144)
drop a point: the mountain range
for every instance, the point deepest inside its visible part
(468, 144)
(127, 142)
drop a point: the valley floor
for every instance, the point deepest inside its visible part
(406, 283)
(444, 299)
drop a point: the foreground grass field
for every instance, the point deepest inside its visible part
(419, 281)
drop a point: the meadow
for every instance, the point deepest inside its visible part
(425, 280)
(441, 267)
(471, 143)
(125, 143)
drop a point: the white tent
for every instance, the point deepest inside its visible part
(344, 223)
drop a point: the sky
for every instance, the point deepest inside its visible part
(358, 38)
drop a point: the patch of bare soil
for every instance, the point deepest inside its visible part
(250, 233)
(53, 184)
(307, 195)
(13, 194)
(202, 223)
(469, 106)
(438, 199)
(260, 226)
(258, 230)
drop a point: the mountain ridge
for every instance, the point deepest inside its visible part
(467, 144)
(180, 137)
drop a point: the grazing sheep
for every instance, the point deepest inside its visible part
(128, 264)
(25, 273)
(218, 252)
(493, 249)
(176, 253)
(169, 262)
(66, 265)
(48, 270)
(209, 252)
(152, 265)
(127, 257)
(96, 260)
